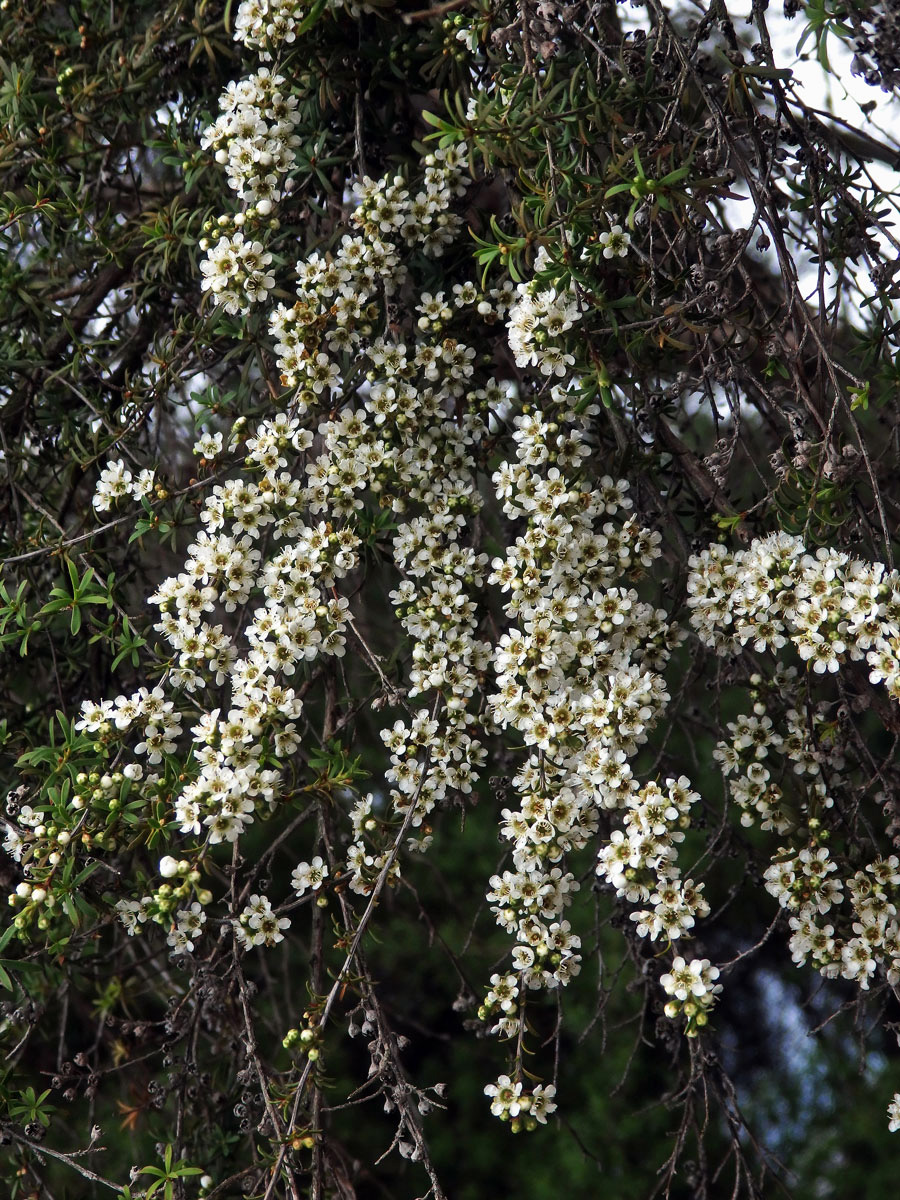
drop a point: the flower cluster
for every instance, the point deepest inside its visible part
(785, 768)
(577, 677)
(156, 717)
(693, 988)
(237, 752)
(179, 907)
(539, 317)
(523, 1109)
(785, 773)
(254, 137)
(116, 481)
(297, 621)
(259, 924)
(339, 297)
(759, 749)
(439, 573)
(235, 272)
(830, 606)
(851, 944)
(266, 25)
(401, 446)
(640, 860)
(259, 555)
(387, 209)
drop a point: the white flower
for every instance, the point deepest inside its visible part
(208, 445)
(131, 913)
(258, 925)
(542, 1102)
(615, 243)
(115, 481)
(505, 1096)
(309, 875)
(695, 978)
(168, 866)
(143, 485)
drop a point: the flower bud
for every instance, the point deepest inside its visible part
(168, 867)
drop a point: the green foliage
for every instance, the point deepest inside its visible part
(29, 1107)
(164, 1177)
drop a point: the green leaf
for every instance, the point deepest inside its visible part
(311, 17)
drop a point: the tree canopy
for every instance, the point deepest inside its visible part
(450, 627)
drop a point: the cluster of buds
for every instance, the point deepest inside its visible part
(305, 1042)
